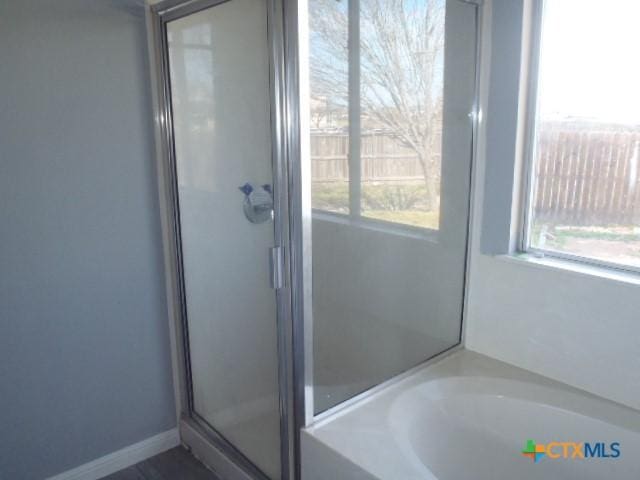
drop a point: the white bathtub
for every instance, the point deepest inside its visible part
(468, 417)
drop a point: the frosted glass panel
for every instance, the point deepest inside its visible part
(219, 66)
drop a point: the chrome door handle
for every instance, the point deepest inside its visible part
(276, 267)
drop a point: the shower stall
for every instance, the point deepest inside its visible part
(315, 167)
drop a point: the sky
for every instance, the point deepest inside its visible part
(590, 60)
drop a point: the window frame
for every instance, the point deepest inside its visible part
(354, 153)
(528, 181)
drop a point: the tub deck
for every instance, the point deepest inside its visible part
(468, 416)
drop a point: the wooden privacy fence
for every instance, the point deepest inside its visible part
(383, 159)
(587, 174)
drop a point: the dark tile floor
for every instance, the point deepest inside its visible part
(174, 464)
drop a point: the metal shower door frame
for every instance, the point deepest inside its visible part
(204, 440)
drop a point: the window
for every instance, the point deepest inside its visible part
(376, 88)
(584, 195)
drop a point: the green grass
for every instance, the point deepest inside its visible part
(619, 243)
(597, 235)
(330, 196)
(402, 204)
(563, 232)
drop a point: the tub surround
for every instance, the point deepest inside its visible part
(577, 328)
(470, 416)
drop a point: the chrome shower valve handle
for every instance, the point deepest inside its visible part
(258, 203)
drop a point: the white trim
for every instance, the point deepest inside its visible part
(523, 184)
(123, 458)
(378, 225)
(571, 267)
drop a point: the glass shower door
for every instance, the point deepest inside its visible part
(220, 98)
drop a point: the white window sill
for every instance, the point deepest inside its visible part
(376, 225)
(571, 266)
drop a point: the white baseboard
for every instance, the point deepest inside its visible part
(111, 463)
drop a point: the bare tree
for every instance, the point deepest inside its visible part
(401, 52)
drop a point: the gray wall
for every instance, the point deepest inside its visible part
(84, 348)
(501, 114)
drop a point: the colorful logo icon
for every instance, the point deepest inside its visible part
(535, 452)
(571, 450)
